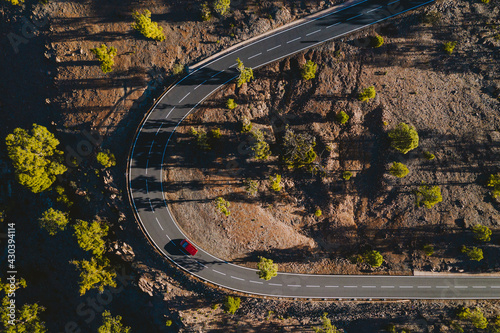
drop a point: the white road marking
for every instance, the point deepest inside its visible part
(218, 272)
(294, 285)
(312, 33)
(374, 9)
(151, 147)
(461, 287)
(424, 287)
(386, 287)
(201, 264)
(170, 112)
(233, 65)
(495, 287)
(151, 205)
(147, 189)
(158, 129)
(293, 40)
(255, 55)
(331, 286)
(169, 238)
(147, 163)
(350, 286)
(311, 286)
(272, 48)
(405, 287)
(258, 282)
(390, 3)
(237, 278)
(184, 97)
(333, 25)
(442, 287)
(478, 287)
(368, 287)
(354, 17)
(275, 284)
(159, 223)
(218, 73)
(200, 84)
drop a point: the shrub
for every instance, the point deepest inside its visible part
(16, 2)
(367, 94)
(481, 233)
(373, 258)
(267, 269)
(95, 274)
(485, 1)
(428, 250)
(232, 304)
(428, 196)
(215, 133)
(53, 221)
(90, 236)
(223, 206)
(35, 158)
(298, 149)
(318, 212)
(106, 159)
(246, 125)
(112, 324)
(474, 253)
(346, 175)
(326, 325)
(231, 104)
(494, 182)
(246, 73)
(146, 27)
(398, 170)
(309, 70)
(429, 156)
(105, 57)
(62, 197)
(221, 7)
(377, 41)
(178, 69)
(342, 117)
(251, 187)
(168, 323)
(201, 138)
(205, 14)
(404, 138)
(275, 182)
(475, 316)
(260, 147)
(456, 327)
(448, 47)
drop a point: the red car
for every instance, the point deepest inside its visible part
(188, 247)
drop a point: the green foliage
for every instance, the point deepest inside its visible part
(215, 133)
(404, 138)
(448, 47)
(342, 118)
(91, 236)
(260, 147)
(391, 328)
(246, 125)
(373, 258)
(298, 149)
(326, 325)
(428, 196)
(206, 13)
(146, 27)
(267, 269)
(432, 18)
(112, 324)
(105, 57)
(428, 249)
(474, 253)
(201, 138)
(246, 73)
(429, 156)
(367, 94)
(376, 41)
(494, 182)
(275, 182)
(456, 327)
(475, 316)
(485, 1)
(251, 187)
(232, 304)
(318, 212)
(53, 221)
(168, 323)
(62, 197)
(95, 274)
(15, 2)
(223, 206)
(106, 159)
(36, 160)
(221, 7)
(481, 233)
(178, 69)
(231, 104)
(309, 70)
(346, 175)
(398, 170)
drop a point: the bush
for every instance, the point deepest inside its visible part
(346, 175)
(146, 27)
(112, 324)
(298, 149)
(201, 138)
(326, 325)
(95, 274)
(106, 159)
(232, 304)
(373, 258)
(246, 125)
(448, 47)
(481, 233)
(105, 57)
(429, 156)
(318, 212)
(62, 197)
(206, 14)
(342, 117)
(267, 269)
(221, 7)
(309, 70)
(398, 170)
(367, 94)
(260, 147)
(223, 206)
(91, 236)
(377, 41)
(178, 69)
(246, 73)
(275, 182)
(404, 138)
(53, 221)
(231, 104)
(428, 196)
(168, 323)
(15, 2)
(475, 316)
(215, 133)
(428, 250)
(494, 182)
(251, 187)
(35, 158)
(474, 253)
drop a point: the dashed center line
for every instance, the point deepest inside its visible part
(368, 287)
(405, 287)
(351, 18)
(219, 272)
(478, 287)
(158, 129)
(255, 55)
(374, 9)
(275, 284)
(442, 287)
(331, 286)
(294, 285)
(424, 287)
(293, 40)
(233, 65)
(217, 73)
(495, 287)
(386, 287)
(147, 163)
(200, 84)
(201, 264)
(333, 25)
(272, 48)
(184, 97)
(237, 278)
(151, 147)
(390, 3)
(461, 287)
(311, 286)
(151, 205)
(312, 33)
(170, 112)
(258, 282)
(350, 286)
(159, 223)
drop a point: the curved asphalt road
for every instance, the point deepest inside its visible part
(150, 149)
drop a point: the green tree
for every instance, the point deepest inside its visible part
(246, 73)
(168, 323)
(260, 147)
(373, 258)
(318, 212)
(232, 304)
(404, 138)
(95, 274)
(477, 319)
(428, 196)
(326, 325)
(398, 170)
(342, 118)
(449, 47)
(106, 159)
(178, 69)
(494, 182)
(15, 2)
(206, 13)
(231, 104)
(429, 156)
(275, 182)
(53, 221)
(251, 187)
(428, 249)
(91, 236)
(221, 7)
(346, 175)
(223, 206)
(298, 149)
(308, 71)
(146, 27)
(367, 94)
(481, 233)
(474, 253)
(201, 137)
(36, 160)
(105, 57)
(267, 269)
(377, 41)
(246, 125)
(62, 197)
(112, 324)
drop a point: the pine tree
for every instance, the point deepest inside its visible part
(145, 26)
(91, 236)
(105, 57)
(53, 221)
(267, 269)
(95, 274)
(112, 324)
